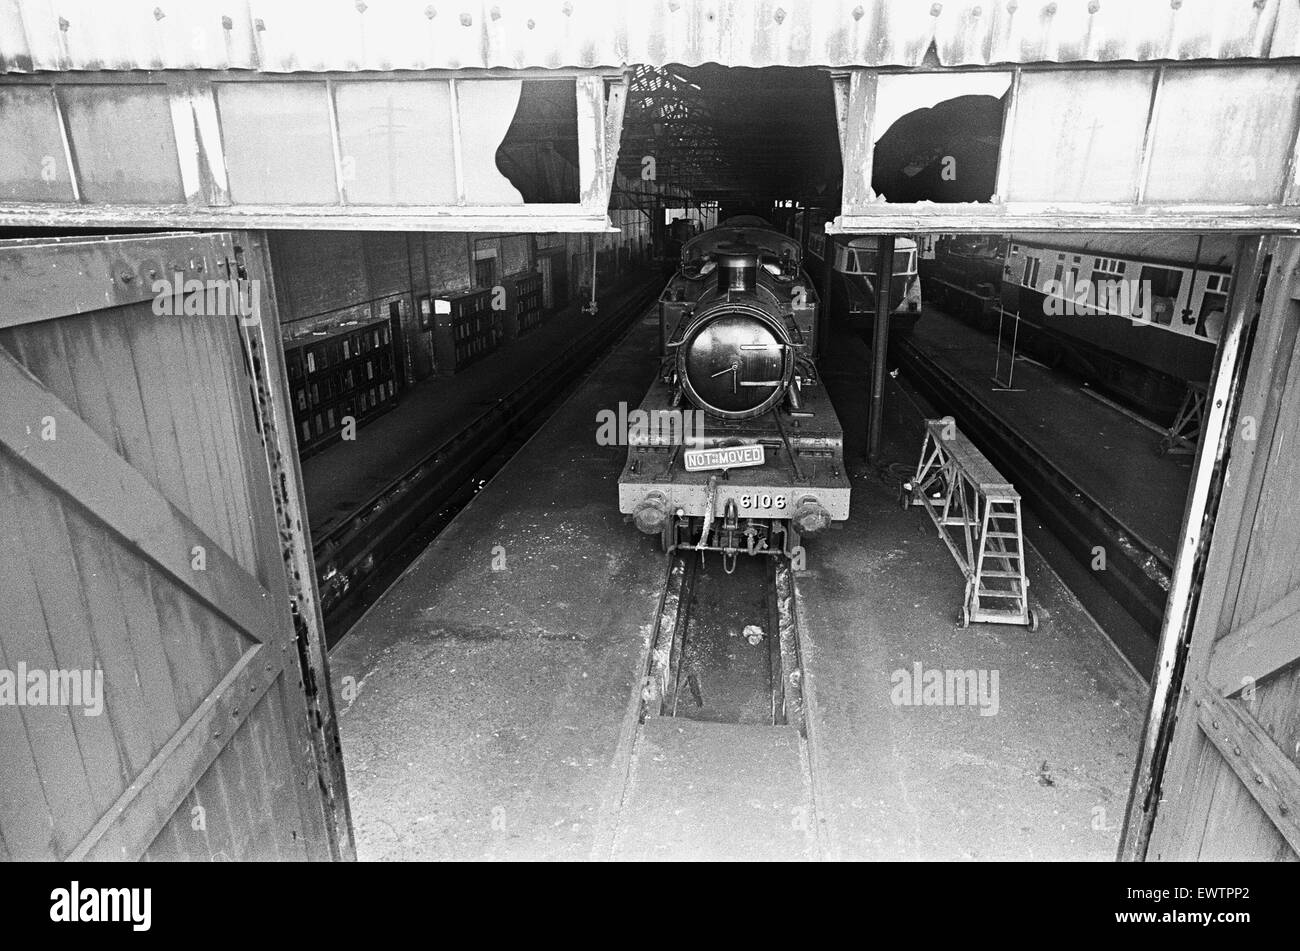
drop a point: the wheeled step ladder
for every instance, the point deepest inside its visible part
(977, 512)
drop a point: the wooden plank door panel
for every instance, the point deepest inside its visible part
(142, 541)
(1231, 783)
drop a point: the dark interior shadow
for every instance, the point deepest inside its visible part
(539, 154)
(947, 153)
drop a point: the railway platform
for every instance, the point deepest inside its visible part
(488, 699)
(1108, 454)
(342, 477)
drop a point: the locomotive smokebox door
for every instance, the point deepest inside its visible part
(735, 361)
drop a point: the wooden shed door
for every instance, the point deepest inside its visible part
(1231, 784)
(139, 543)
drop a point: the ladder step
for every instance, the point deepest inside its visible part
(1002, 535)
(999, 574)
(1009, 595)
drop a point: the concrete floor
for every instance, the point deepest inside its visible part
(490, 701)
(481, 709)
(1044, 777)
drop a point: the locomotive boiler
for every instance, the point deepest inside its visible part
(763, 468)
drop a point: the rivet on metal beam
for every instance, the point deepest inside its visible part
(158, 13)
(936, 9)
(466, 20)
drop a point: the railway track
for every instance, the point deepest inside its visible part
(714, 759)
(359, 557)
(1138, 572)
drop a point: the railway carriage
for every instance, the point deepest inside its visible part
(853, 264)
(1136, 316)
(738, 325)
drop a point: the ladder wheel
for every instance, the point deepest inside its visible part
(965, 617)
(904, 499)
(1033, 620)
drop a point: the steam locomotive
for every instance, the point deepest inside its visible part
(744, 452)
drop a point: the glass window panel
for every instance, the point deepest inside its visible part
(277, 142)
(1224, 135)
(487, 108)
(396, 142)
(1078, 136)
(32, 163)
(123, 143)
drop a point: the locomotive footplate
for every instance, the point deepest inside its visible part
(798, 490)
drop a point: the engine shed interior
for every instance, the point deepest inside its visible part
(387, 345)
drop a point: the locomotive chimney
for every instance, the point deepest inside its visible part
(737, 268)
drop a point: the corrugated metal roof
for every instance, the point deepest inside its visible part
(349, 35)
